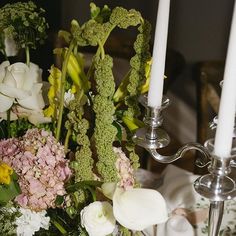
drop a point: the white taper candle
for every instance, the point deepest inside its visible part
(225, 126)
(159, 55)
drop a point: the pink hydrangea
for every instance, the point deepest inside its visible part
(41, 165)
(124, 169)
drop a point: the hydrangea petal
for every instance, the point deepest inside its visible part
(137, 208)
(6, 103)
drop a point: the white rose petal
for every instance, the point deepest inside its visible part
(22, 84)
(13, 92)
(3, 67)
(98, 219)
(13, 116)
(137, 208)
(38, 118)
(6, 103)
(34, 102)
(17, 72)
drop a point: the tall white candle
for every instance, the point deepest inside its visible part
(159, 55)
(225, 126)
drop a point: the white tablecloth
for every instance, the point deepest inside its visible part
(188, 211)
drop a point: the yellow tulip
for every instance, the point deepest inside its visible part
(74, 70)
(5, 173)
(55, 82)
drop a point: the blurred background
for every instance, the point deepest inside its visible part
(197, 45)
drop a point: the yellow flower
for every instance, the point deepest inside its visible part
(5, 173)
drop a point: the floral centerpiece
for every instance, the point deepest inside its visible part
(67, 160)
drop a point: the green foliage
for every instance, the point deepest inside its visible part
(7, 219)
(98, 14)
(24, 21)
(104, 132)
(83, 163)
(124, 18)
(9, 191)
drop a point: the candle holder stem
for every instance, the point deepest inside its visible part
(215, 217)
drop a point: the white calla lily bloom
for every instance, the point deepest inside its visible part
(98, 219)
(138, 208)
(21, 84)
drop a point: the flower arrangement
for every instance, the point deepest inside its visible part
(67, 160)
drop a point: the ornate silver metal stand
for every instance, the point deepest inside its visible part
(216, 185)
(152, 137)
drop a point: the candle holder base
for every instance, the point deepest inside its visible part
(142, 140)
(215, 188)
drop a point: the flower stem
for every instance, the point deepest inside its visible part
(8, 123)
(68, 134)
(62, 92)
(27, 54)
(59, 227)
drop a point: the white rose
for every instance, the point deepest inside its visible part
(22, 84)
(98, 219)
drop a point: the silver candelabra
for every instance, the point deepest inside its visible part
(217, 186)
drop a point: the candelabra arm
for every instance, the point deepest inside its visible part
(180, 153)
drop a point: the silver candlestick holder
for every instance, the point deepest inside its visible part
(217, 186)
(152, 137)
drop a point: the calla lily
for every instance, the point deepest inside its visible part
(74, 70)
(136, 208)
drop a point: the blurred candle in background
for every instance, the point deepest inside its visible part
(225, 124)
(159, 55)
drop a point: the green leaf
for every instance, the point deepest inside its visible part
(59, 200)
(94, 10)
(9, 192)
(3, 131)
(119, 130)
(66, 35)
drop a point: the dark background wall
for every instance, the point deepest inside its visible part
(198, 28)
